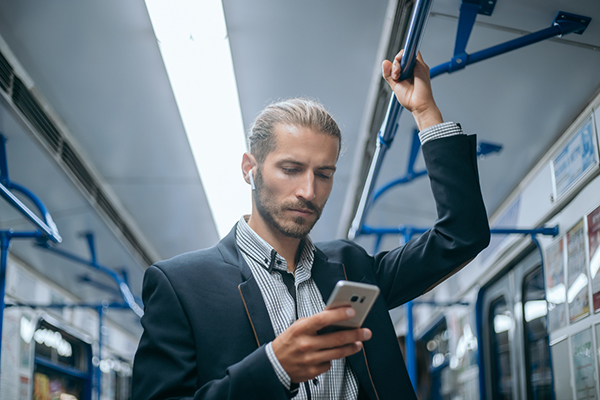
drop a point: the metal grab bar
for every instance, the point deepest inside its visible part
(47, 227)
(563, 24)
(124, 290)
(416, 29)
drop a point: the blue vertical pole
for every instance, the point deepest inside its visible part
(97, 369)
(5, 243)
(411, 351)
(411, 354)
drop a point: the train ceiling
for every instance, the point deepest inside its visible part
(98, 66)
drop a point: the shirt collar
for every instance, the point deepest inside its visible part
(264, 254)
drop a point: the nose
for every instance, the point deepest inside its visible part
(306, 187)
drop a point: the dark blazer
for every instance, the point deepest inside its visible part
(205, 322)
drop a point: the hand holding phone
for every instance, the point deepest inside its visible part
(359, 296)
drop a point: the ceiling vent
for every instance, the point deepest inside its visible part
(63, 149)
(6, 72)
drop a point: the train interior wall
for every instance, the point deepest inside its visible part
(524, 320)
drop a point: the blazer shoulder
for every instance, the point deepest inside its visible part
(202, 261)
(343, 251)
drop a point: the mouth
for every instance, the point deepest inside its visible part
(301, 212)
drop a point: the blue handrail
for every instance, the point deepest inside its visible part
(47, 227)
(563, 24)
(389, 127)
(124, 289)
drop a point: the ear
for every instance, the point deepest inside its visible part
(248, 163)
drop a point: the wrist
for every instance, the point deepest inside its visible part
(429, 117)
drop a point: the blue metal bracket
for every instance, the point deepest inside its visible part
(466, 20)
(123, 288)
(563, 24)
(486, 7)
(483, 149)
(46, 225)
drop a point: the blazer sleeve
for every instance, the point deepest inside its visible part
(460, 232)
(165, 365)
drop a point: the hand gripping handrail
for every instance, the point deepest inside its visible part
(418, 21)
(563, 24)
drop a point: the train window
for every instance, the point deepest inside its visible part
(59, 347)
(537, 355)
(501, 322)
(116, 379)
(562, 370)
(62, 367)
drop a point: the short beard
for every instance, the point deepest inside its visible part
(269, 211)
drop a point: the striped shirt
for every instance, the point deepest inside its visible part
(267, 266)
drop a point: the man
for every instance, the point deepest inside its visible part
(240, 320)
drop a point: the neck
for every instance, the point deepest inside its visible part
(285, 246)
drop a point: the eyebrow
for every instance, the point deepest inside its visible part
(300, 164)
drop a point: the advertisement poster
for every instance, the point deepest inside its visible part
(593, 223)
(577, 293)
(556, 291)
(583, 365)
(576, 158)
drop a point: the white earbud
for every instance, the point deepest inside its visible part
(251, 180)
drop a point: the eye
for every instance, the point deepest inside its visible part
(289, 170)
(325, 176)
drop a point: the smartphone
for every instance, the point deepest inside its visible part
(360, 296)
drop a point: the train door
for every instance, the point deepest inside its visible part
(515, 336)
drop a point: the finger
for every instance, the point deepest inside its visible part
(390, 73)
(339, 352)
(396, 68)
(386, 71)
(343, 338)
(313, 371)
(399, 56)
(328, 317)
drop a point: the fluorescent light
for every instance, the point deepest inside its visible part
(192, 38)
(579, 283)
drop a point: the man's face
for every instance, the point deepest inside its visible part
(294, 181)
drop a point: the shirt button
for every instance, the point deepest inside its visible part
(278, 262)
(266, 260)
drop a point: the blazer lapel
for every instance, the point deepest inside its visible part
(249, 290)
(326, 274)
(257, 311)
